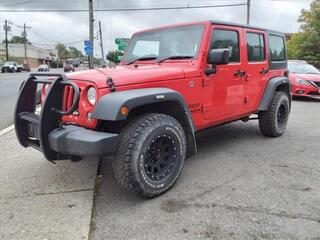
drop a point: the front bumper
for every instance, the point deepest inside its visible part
(78, 141)
(306, 91)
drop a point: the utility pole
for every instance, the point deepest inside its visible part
(91, 32)
(248, 11)
(101, 42)
(6, 31)
(24, 35)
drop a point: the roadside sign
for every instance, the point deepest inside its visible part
(88, 47)
(122, 43)
(121, 47)
(87, 43)
(88, 50)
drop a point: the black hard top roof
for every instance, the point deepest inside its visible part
(245, 26)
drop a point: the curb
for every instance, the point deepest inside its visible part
(6, 130)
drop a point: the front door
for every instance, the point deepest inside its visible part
(224, 95)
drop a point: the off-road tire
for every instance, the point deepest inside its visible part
(139, 142)
(273, 122)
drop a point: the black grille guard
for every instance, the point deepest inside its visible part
(32, 129)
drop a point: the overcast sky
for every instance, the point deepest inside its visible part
(48, 28)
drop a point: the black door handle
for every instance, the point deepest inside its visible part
(264, 71)
(240, 73)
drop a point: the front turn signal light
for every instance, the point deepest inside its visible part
(124, 110)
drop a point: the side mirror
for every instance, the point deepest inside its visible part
(218, 56)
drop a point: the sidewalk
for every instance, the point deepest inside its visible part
(41, 200)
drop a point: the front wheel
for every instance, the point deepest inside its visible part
(273, 122)
(150, 155)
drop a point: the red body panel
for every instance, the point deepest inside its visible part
(214, 99)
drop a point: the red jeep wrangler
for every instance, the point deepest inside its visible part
(173, 81)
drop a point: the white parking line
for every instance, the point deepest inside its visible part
(6, 130)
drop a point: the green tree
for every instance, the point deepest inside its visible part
(17, 39)
(114, 56)
(305, 45)
(75, 53)
(63, 52)
(68, 52)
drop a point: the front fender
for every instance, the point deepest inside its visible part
(108, 106)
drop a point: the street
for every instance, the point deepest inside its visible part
(9, 88)
(240, 185)
(179, 120)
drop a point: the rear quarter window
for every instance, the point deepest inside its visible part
(277, 48)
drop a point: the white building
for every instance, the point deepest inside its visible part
(35, 55)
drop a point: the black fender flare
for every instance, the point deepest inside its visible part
(271, 87)
(108, 107)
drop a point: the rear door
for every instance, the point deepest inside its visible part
(224, 97)
(257, 67)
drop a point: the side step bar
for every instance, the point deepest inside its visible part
(32, 130)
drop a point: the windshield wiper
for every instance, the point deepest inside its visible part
(174, 57)
(140, 59)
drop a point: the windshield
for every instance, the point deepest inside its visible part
(9, 63)
(302, 68)
(158, 44)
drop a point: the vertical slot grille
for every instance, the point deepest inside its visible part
(68, 98)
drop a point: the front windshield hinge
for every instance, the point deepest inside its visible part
(111, 84)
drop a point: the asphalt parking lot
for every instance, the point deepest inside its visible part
(240, 185)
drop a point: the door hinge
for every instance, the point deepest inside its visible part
(245, 100)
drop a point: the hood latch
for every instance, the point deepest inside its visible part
(111, 84)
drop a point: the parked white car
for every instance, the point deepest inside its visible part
(11, 66)
(43, 68)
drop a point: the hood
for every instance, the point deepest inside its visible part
(308, 77)
(129, 74)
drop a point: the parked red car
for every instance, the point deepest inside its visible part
(69, 68)
(305, 79)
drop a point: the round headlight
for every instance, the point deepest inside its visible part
(92, 95)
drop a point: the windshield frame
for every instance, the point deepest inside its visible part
(125, 58)
(307, 64)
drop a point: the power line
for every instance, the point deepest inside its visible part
(125, 9)
(16, 4)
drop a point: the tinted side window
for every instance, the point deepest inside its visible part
(255, 47)
(226, 39)
(277, 48)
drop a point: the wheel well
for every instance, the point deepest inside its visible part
(175, 110)
(286, 88)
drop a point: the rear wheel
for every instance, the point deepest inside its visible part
(273, 122)
(150, 155)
